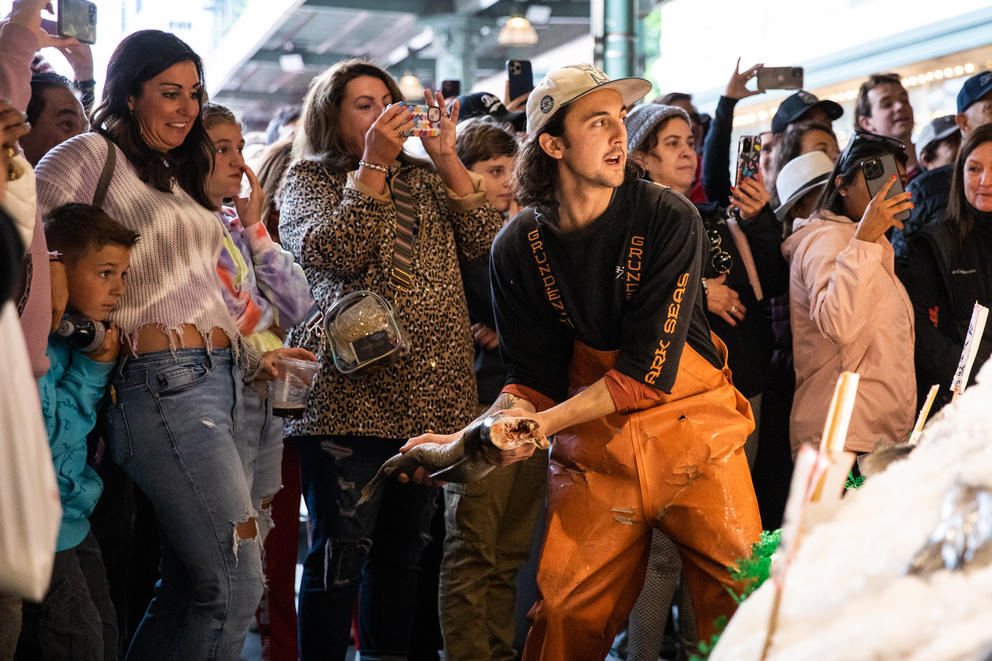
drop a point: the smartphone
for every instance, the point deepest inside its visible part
(77, 19)
(748, 157)
(426, 121)
(780, 78)
(451, 88)
(521, 77)
(877, 172)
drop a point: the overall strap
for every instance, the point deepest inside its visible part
(108, 172)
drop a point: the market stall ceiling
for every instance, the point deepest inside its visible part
(391, 33)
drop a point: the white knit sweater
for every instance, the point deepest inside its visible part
(173, 276)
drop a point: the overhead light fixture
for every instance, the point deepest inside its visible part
(411, 87)
(517, 32)
(291, 63)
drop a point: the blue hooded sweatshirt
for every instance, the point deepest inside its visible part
(71, 391)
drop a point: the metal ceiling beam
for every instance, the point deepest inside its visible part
(391, 6)
(314, 60)
(566, 9)
(283, 96)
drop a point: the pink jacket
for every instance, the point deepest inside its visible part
(17, 48)
(849, 312)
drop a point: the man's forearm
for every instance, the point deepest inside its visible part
(506, 401)
(591, 404)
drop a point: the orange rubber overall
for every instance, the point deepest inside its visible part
(678, 466)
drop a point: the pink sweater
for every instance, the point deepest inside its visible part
(17, 47)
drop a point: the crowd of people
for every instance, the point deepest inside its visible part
(579, 256)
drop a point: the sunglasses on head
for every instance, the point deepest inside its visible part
(721, 260)
(861, 137)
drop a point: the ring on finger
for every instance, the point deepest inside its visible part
(733, 308)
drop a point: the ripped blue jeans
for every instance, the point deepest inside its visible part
(373, 550)
(170, 426)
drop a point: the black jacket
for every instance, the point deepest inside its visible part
(750, 343)
(11, 256)
(930, 190)
(716, 151)
(944, 281)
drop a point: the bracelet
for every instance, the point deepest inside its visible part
(374, 166)
(82, 84)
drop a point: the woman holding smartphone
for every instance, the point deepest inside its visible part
(344, 205)
(947, 277)
(849, 311)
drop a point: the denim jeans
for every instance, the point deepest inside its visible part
(259, 440)
(373, 550)
(171, 428)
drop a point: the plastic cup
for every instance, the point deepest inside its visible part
(291, 386)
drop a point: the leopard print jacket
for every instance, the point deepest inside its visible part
(342, 233)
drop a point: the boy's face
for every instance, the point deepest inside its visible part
(496, 174)
(96, 280)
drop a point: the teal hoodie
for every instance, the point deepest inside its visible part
(71, 390)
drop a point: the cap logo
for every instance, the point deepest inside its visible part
(547, 103)
(488, 100)
(986, 78)
(598, 75)
(808, 98)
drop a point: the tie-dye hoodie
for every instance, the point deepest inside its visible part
(262, 285)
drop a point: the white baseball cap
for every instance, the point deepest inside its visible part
(566, 84)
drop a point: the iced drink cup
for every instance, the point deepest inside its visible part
(291, 386)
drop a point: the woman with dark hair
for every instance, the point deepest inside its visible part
(176, 389)
(359, 214)
(949, 273)
(849, 312)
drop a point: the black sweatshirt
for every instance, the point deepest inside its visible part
(629, 281)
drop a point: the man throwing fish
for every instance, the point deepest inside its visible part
(602, 329)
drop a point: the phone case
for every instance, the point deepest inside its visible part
(521, 77)
(780, 78)
(451, 88)
(426, 122)
(77, 19)
(748, 157)
(879, 170)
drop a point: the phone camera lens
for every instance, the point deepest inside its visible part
(873, 169)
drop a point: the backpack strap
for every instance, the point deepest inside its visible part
(108, 172)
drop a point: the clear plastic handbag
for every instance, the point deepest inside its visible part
(362, 329)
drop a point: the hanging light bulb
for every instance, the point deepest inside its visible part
(411, 87)
(517, 32)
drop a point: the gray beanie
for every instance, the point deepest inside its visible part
(644, 119)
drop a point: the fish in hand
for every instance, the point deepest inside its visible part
(462, 460)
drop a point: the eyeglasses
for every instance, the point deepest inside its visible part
(864, 136)
(721, 260)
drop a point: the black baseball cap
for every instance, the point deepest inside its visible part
(797, 105)
(974, 89)
(484, 104)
